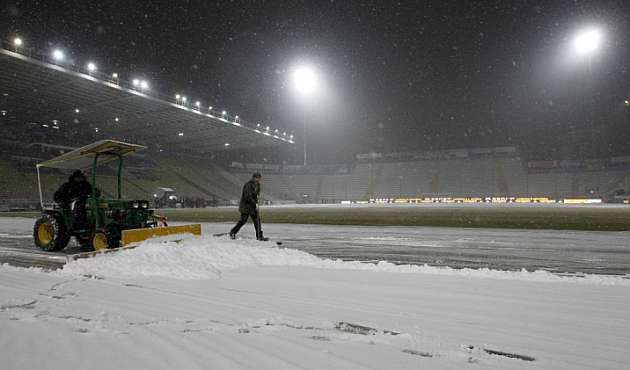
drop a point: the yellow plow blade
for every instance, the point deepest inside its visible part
(138, 235)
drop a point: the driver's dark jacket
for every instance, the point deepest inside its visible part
(72, 190)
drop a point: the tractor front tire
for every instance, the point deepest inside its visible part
(108, 239)
(50, 233)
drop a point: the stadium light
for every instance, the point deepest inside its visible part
(91, 67)
(305, 82)
(587, 41)
(304, 79)
(17, 42)
(58, 55)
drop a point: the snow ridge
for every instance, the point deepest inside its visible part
(194, 258)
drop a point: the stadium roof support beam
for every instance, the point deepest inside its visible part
(41, 91)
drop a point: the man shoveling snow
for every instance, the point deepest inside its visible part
(248, 207)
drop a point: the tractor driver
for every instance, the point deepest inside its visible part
(73, 195)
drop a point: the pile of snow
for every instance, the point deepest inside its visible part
(207, 257)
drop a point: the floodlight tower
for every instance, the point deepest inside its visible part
(305, 82)
(586, 44)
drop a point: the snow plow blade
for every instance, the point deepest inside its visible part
(129, 237)
(139, 235)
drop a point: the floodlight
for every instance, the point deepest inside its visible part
(57, 55)
(587, 41)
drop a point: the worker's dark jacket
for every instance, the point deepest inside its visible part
(249, 199)
(72, 190)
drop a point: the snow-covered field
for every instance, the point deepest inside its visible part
(214, 303)
(506, 249)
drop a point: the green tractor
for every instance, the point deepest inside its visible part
(105, 223)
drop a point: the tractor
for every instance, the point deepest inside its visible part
(105, 223)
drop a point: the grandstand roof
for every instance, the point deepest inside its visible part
(36, 90)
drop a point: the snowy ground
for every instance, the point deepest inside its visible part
(214, 303)
(507, 249)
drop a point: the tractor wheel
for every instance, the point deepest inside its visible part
(100, 241)
(50, 233)
(108, 239)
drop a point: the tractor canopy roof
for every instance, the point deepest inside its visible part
(107, 151)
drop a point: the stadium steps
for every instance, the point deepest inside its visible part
(375, 177)
(434, 186)
(318, 188)
(615, 183)
(211, 182)
(502, 183)
(200, 188)
(139, 193)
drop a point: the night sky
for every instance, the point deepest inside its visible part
(396, 76)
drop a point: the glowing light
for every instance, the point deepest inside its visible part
(304, 80)
(58, 55)
(116, 119)
(209, 108)
(258, 125)
(626, 102)
(267, 128)
(144, 85)
(180, 134)
(177, 96)
(587, 41)
(17, 42)
(115, 75)
(135, 82)
(198, 103)
(91, 67)
(226, 144)
(223, 113)
(184, 99)
(76, 110)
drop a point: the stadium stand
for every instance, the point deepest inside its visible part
(472, 173)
